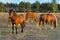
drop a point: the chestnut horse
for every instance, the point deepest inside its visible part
(16, 19)
(32, 16)
(48, 18)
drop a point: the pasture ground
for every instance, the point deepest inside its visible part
(31, 32)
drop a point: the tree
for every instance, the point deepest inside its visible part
(58, 7)
(2, 7)
(22, 6)
(36, 6)
(45, 7)
(11, 5)
(54, 6)
(28, 6)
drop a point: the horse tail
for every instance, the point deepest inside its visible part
(55, 22)
(39, 20)
(26, 16)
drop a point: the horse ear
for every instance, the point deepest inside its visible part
(10, 10)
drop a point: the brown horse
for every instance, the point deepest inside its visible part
(48, 18)
(16, 19)
(32, 16)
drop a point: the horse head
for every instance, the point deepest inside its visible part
(11, 13)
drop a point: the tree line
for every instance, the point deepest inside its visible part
(31, 7)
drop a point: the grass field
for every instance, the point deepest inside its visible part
(31, 32)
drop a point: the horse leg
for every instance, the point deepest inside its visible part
(12, 28)
(44, 25)
(54, 24)
(40, 23)
(34, 20)
(51, 24)
(16, 29)
(22, 26)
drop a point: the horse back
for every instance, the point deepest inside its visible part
(51, 18)
(30, 15)
(43, 16)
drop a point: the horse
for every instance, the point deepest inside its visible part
(9, 22)
(32, 16)
(16, 19)
(48, 18)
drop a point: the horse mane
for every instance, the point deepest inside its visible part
(10, 10)
(14, 14)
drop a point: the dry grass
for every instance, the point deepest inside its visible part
(31, 32)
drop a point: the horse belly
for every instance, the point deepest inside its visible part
(49, 19)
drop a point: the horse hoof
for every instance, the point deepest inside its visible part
(45, 28)
(16, 32)
(40, 29)
(21, 31)
(52, 28)
(12, 32)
